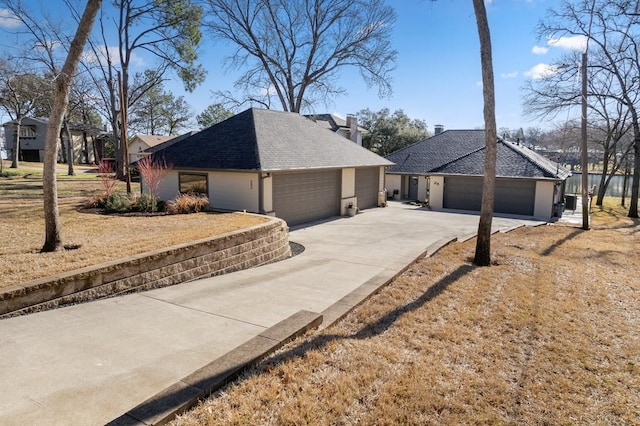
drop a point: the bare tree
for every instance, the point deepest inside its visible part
(483, 243)
(62, 82)
(611, 28)
(294, 49)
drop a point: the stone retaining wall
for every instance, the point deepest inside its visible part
(233, 251)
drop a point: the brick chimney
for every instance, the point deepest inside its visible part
(352, 124)
(437, 129)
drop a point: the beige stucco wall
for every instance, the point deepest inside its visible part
(169, 187)
(234, 191)
(267, 194)
(436, 192)
(543, 208)
(348, 182)
(393, 182)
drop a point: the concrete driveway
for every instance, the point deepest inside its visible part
(135, 359)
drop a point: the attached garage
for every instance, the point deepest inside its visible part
(367, 184)
(275, 163)
(513, 196)
(527, 183)
(305, 196)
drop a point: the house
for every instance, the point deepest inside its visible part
(33, 132)
(274, 163)
(138, 144)
(347, 128)
(447, 168)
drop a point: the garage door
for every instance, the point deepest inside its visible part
(462, 193)
(367, 184)
(513, 196)
(306, 196)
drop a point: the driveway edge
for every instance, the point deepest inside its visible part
(184, 394)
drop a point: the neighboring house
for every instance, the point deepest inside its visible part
(33, 132)
(346, 128)
(447, 169)
(138, 144)
(274, 163)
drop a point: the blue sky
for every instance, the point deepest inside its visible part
(438, 69)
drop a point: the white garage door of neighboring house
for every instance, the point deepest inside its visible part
(367, 184)
(513, 196)
(305, 196)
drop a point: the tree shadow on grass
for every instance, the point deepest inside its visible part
(553, 247)
(182, 398)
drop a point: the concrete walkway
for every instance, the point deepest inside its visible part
(136, 359)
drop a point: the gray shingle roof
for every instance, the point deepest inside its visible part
(461, 152)
(266, 140)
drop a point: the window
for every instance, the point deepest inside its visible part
(191, 183)
(27, 132)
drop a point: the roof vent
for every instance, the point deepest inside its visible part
(438, 128)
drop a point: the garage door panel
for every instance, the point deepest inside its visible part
(367, 185)
(462, 193)
(512, 196)
(306, 196)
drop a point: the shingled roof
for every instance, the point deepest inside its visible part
(461, 152)
(266, 140)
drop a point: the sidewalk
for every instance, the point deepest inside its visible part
(128, 359)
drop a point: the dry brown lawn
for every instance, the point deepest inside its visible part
(96, 238)
(550, 334)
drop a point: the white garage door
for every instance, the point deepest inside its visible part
(513, 196)
(305, 196)
(367, 184)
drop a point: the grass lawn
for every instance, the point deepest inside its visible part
(98, 238)
(550, 334)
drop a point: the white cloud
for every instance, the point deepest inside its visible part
(479, 84)
(8, 19)
(541, 71)
(577, 42)
(539, 50)
(92, 57)
(513, 74)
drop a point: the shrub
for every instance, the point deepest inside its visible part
(117, 203)
(97, 201)
(187, 203)
(146, 203)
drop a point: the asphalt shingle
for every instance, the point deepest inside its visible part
(266, 140)
(461, 152)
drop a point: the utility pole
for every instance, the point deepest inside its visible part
(584, 154)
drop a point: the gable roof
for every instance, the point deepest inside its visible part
(461, 152)
(266, 140)
(151, 140)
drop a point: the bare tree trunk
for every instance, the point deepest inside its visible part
(483, 243)
(625, 183)
(53, 238)
(16, 146)
(635, 182)
(70, 154)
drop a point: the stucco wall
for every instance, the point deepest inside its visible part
(169, 187)
(393, 182)
(234, 191)
(436, 192)
(348, 183)
(543, 207)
